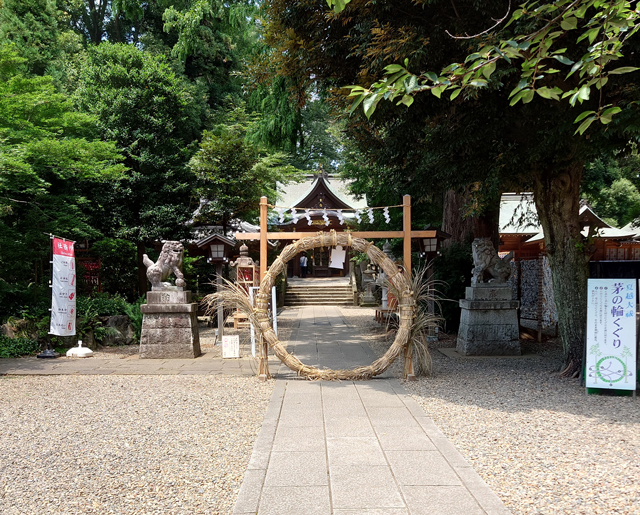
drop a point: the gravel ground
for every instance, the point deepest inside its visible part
(535, 438)
(126, 444)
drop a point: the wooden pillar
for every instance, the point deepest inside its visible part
(263, 237)
(220, 306)
(407, 372)
(406, 227)
(263, 369)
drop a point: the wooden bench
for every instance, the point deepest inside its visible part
(383, 314)
(240, 320)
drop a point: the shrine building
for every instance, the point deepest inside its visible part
(324, 196)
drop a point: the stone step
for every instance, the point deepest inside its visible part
(320, 288)
(319, 303)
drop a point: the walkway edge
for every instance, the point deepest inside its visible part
(251, 488)
(481, 492)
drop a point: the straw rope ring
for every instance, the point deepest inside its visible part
(325, 239)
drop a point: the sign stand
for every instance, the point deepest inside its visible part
(611, 339)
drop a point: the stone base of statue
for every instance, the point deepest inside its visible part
(169, 325)
(489, 322)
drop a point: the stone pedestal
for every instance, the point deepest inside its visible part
(169, 325)
(488, 322)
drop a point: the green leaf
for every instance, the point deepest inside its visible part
(607, 114)
(455, 94)
(547, 93)
(528, 96)
(583, 115)
(431, 76)
(438, 91)
(356, 103)
(585, 125)
(370, 104)
(517, 97)
(583, 93)
(488, 69)
(393, 68)
(624, 69)
(563, 59)
(569, 23)
(406, 100)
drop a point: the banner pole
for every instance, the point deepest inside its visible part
(49, 353)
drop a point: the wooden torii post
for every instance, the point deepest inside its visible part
(406, 234)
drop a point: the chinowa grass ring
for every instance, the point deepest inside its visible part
(406, 304)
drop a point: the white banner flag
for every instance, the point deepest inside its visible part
(63, 291)
(611, 334)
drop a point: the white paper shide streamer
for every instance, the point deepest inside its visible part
(308, 216)
(357, 215)
(63, 289)
(340, 216)
(294, 215)
(325, 217)
(385, 212)
(370, 214)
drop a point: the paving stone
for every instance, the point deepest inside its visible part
(364, 487)
(249, 495)
(373, 511)
(295, 500)
(440, 500)
(297, 469)
(348, 426)
(421, 468)
(385, 417)
(356, 451)
(301, 439)
(404, 439)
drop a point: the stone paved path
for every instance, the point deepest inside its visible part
(353, 448)
(327, 448)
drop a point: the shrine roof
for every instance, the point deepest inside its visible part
(295, 194)
(518, 216)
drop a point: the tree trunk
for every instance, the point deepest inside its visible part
(557, 199)
(142, 270)
(463, 229)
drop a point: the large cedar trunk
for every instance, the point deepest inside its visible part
(464, 229)
(557, 199)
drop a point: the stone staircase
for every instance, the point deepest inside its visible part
(318, 295)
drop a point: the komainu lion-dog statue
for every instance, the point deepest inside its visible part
(487, 263)
(170, 260)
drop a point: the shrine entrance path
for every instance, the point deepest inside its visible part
(352, 448)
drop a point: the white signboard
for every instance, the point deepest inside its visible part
(338, 255)
(611, 334)
(231, 346)
(63, 289)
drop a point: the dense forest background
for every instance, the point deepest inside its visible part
(117, 117)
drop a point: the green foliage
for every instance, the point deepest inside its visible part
(49, 160)
(539, 36)
(102, 304)
(135, 315)
(118, 266)
(452, 274)
(17, 347)
(233, 173)
(155, 116)
(611, 186)
(33, 27)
